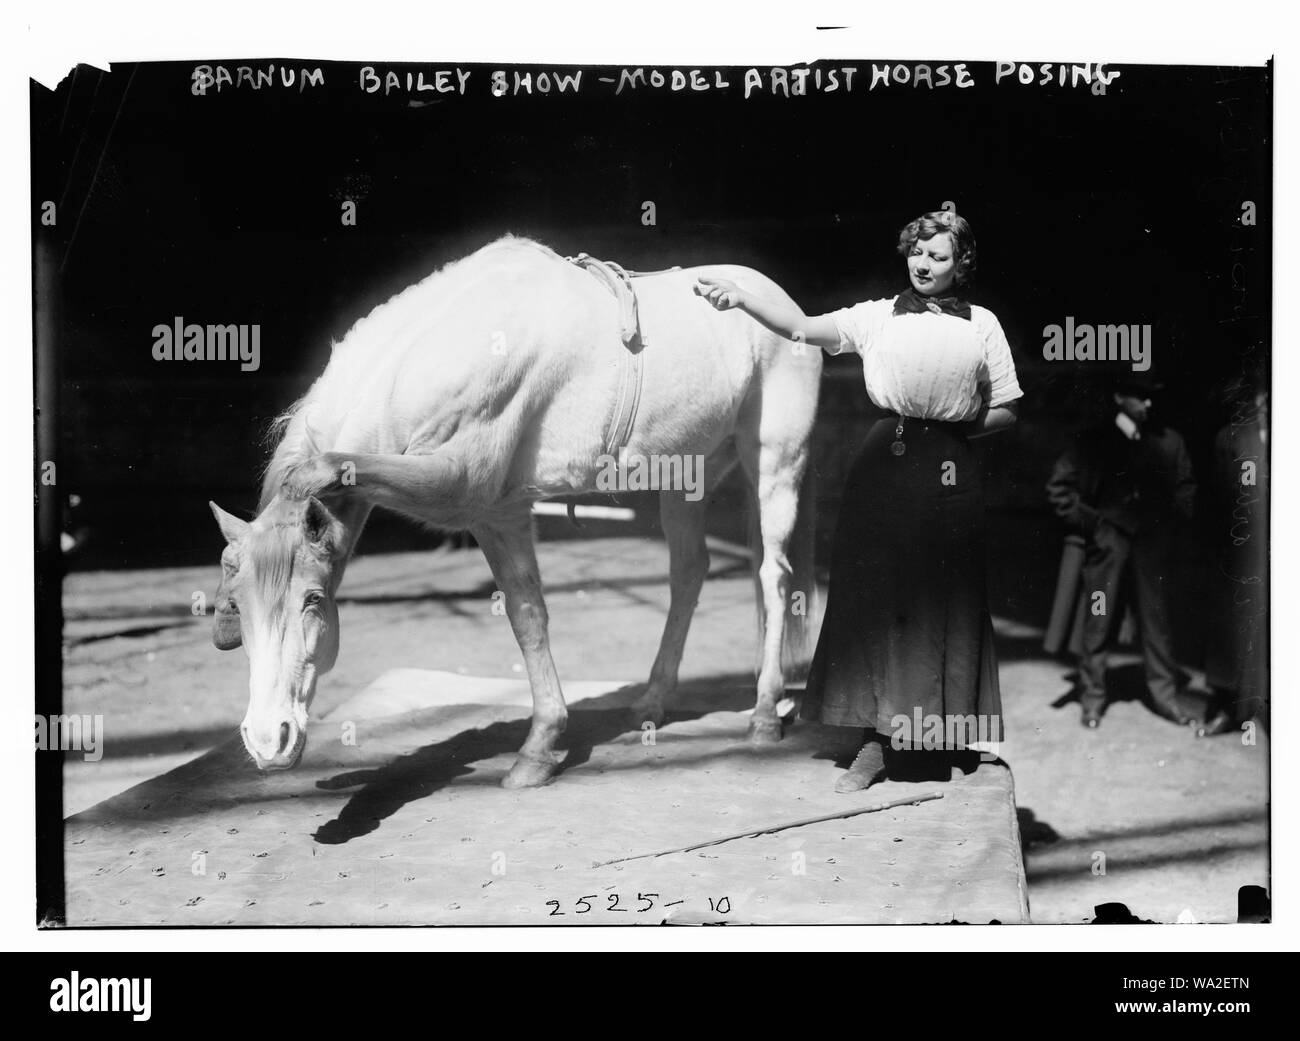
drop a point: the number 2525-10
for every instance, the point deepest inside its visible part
(584, 905)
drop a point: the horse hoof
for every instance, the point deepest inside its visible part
(764, 730)
(531, 772)
(649, 712)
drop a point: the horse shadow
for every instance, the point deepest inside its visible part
(386, 789)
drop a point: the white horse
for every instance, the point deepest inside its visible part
(487, 386)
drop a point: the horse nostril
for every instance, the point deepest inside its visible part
(286, 733)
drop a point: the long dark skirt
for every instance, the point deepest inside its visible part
(907, 631)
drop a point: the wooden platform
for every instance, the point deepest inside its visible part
(409, 827)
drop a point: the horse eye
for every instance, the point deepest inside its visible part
(313, 598)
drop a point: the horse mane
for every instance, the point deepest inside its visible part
(287, 451)
(314, 418)
(271, 559)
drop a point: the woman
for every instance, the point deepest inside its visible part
(907, 640)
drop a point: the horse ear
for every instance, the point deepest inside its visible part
(232, 528)
(320, 526)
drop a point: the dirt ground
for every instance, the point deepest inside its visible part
(405, 823)
(1138, 811)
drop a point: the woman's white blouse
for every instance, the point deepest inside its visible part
(929, 366)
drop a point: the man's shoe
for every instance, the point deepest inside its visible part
(1219, 723)
(1174, 714)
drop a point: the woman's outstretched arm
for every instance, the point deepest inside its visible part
(783, 319)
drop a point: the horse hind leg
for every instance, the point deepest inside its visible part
(688, 564)
(513, 559)
(775, 467)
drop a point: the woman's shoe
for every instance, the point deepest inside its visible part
(867, 769)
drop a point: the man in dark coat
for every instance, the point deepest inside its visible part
(1124, 485)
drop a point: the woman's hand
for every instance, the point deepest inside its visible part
(722, 294)
(781, 316)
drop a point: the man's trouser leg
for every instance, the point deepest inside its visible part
(1150, 583)
(1103, 565)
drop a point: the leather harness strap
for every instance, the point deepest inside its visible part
(618, 281)
(629, 400)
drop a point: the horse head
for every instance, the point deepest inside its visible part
(280, 573)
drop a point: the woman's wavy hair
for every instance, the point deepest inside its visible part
(930, 224)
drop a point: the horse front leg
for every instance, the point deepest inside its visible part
(511, 555)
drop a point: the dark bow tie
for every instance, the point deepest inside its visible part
(912, 302)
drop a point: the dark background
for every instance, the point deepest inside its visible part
(1122, 208)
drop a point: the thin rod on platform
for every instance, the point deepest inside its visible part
(774, 828)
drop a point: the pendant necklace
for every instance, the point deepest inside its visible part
(898, 448)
